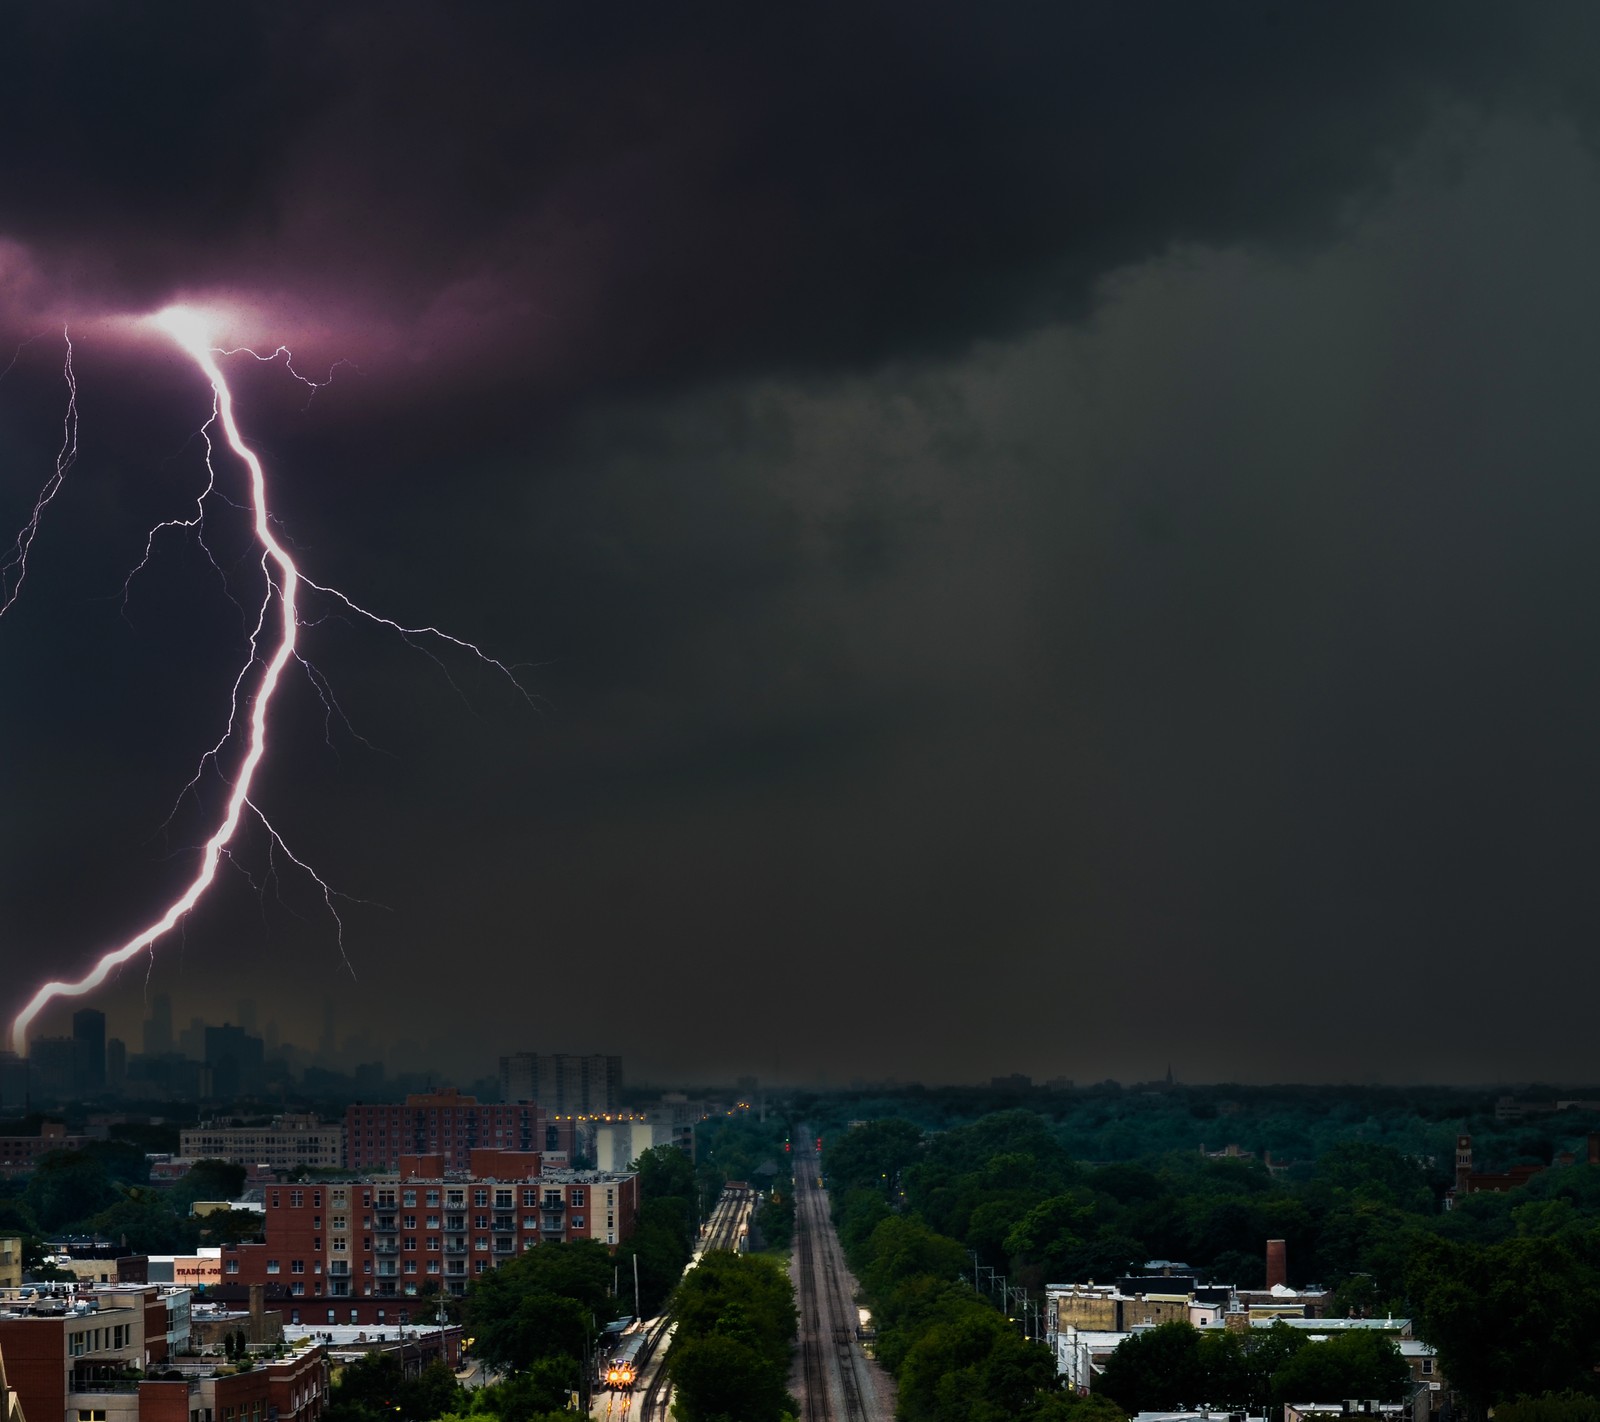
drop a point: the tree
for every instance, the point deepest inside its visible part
(67, 1187)
(1361, 1363)
(1158, 1371)
(208, 1180)
(721, 1377)
(664, 1171)
(541, 1304)
(1518, 1318)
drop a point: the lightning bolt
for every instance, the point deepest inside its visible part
(277, 624)
(14, 565)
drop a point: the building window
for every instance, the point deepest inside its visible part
(338, 1222)
(433, 1197)
(576, 1198)
(408, 1197)
(294, 1315)
(502, 1199)
(433, 1266)
(272, 1266)
(338, 1245)
(530, 1222)
(480, 1198)
(233, 1266)
(297, 1289)
(433, 1244)
(1427, 1367)
(409, 1243)
(297, 1266)
(316, 1199)
(577, 1222)
(530, 1198)
(411, 1266)
(408, 1222)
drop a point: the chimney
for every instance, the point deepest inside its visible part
(258, 1305)
(1277, 1263)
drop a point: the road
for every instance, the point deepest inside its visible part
(835, 1381)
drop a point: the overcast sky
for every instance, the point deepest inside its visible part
(1054, 538)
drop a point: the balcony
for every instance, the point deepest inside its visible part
(505, 1224)
(456, 1248)
(386, 1246)
(340, 1268)
(552, 1204)
(387, 1224)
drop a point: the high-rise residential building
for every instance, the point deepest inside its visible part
(158, 1027)
(563, 1084)
(450, 1125)
(89, 1060)
(369, 1249)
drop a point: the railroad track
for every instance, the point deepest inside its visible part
(828, 1348)
(722, 1233)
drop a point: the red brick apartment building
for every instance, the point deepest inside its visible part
(451, 1125)
(365, 1251)
(77, 1367)
(20, 1154)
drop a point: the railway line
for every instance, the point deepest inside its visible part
(839, 1382)
(649, 1398)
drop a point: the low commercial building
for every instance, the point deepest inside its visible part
(287, 1142)
(123, 1355)
(10, 1263)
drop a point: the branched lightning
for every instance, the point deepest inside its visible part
(272, 644)
(14, 564)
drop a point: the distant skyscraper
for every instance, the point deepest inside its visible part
(89, 1057)
(158, 1027)
(116, 1064)
(55, 1067)
(235, 1060)
(563, 1084)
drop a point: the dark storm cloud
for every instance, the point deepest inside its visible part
(602, 194)
(1054, 518)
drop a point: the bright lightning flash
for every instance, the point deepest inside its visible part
(193, 330)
